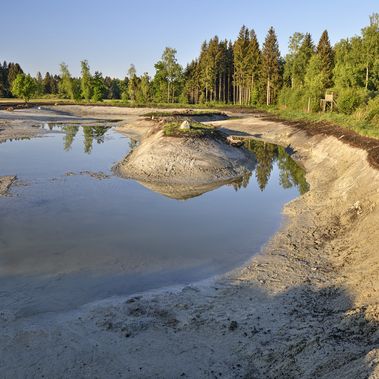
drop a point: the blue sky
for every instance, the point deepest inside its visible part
(112, 34)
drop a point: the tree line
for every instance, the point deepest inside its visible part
(239, 72)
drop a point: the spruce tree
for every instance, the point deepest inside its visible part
(325, 52)
(254, 66)
(306, 52)
(97, 87)
(271, 67)
(46, 83)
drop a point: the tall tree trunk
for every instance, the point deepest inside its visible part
(219, 87)
(268, 94)
(228, 88)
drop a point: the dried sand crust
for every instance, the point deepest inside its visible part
(305, 307)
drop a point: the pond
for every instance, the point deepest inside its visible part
(72, 232)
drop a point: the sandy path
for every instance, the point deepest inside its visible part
(306, 307)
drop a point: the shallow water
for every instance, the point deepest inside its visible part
(71, 232)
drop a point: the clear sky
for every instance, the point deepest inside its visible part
(112, 34)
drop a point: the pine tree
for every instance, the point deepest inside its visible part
(271, 67)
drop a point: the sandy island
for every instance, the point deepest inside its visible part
(305, 307)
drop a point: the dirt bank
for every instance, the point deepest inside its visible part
(183, 167)
(306, 307)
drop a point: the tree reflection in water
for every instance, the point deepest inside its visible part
(290, 173)
(90, 133)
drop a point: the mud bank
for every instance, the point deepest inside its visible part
(305, 307)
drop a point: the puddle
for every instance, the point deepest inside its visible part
(77, 233)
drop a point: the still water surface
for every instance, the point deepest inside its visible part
(69, 236)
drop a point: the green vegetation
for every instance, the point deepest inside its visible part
(290, 173)
(199, 130)
(24, 86)
(241, 73)
(183, 114)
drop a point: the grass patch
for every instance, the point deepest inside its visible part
(197, 130)
(188, 113)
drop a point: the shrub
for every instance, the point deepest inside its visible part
(294, 99)
(349, 99)
(371, 111)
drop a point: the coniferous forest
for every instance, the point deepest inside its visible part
(243, 72)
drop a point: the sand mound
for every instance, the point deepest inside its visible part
(184, 167)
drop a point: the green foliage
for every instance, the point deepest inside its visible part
(133, 83)
(98, 87)
(76, 89)
(184, 114)
(168, 79)
(301, 50)
(271, 68)
(144, 93)
(8, 73)
(314, 82)
(197, 130)
(370, 113)
(290, 174)
(370, 39)
(39, 85)
(65, 84)
(24, 86)
(349, 70)
(293, 98)
(86, 81)
(247, 61)
(349, 99)
(326, 56)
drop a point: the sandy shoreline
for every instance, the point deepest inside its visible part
(305, 307)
